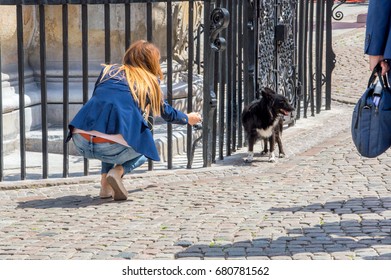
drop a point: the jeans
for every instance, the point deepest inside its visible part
(109, 154)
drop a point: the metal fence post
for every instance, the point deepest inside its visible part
(215, 21)
(22, 116)
(1, 122)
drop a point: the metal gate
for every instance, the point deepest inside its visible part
(240, 47)
(282, 44)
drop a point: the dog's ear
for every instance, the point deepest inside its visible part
(267, 93)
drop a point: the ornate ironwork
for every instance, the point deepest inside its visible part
(286, 50)
(266, 51)
(338, 15)
(219, 21)
(276, 53)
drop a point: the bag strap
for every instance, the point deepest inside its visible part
(376, 73)
(372, 78)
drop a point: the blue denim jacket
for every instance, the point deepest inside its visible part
(112, 110)
(378, 31)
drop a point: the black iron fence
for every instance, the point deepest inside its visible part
(238, 47)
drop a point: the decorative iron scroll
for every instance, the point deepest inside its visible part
(219, 21)
(338, 15)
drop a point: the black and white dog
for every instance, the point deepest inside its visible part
(263, 119)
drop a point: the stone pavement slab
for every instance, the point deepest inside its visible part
(328, 203)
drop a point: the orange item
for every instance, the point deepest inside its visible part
(96, 139)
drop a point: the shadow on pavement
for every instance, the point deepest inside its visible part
(355, 236)
(351, 206)
(73, 201)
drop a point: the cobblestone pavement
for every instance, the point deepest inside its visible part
(322, 201)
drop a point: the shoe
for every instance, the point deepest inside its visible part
(115, 181)
(105, 192)
(105, 189)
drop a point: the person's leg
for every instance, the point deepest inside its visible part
(119, 155)
(115, 176)
(110, 154)
(106, 167)
(89, 150)
(133, 163)
(128, 160)
(118, 172)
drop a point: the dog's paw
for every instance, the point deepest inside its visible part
(282, 155)
(272, 158)
(250, 157)
(264, 153)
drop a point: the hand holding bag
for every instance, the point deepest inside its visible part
(371, 121)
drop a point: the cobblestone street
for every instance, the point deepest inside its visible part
(321, 202)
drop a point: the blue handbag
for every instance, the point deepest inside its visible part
(371, 121)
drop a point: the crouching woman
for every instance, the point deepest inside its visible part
(112, 126)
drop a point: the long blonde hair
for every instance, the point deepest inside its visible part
(142, 69)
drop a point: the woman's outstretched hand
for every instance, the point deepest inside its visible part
(194, 118)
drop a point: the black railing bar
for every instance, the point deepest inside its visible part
(127, 25)
(199, 31)
(169, 80)
(330, 55)
(255, 37)
(65, 59)
(301, 48)
(240, 73)
(319, 55)
(321, 50)
(229, 92)
(107, 33)
(208, 60)
(22, 115)
(221, 80)
(275, 62)
(84, 24)
(1, 123)
(198, 50)
(234, 74)
(189, 131)
(296, 92)
(44, 101)
(215, 89)
(306, 54)
(222, 89)
(149, 39)
(310, 63)
(300, 94)
(214, 141)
